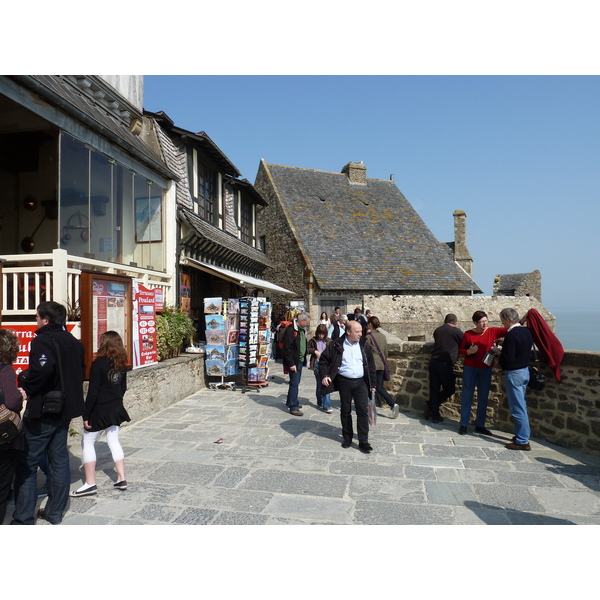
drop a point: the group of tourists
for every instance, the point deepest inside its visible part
(350, 356)
(51, 390)
(511, 344)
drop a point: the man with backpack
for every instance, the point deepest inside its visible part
(294, 340)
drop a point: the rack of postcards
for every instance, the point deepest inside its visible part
(254, 340)
(222, 334)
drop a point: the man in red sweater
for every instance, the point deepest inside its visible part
(476, 374)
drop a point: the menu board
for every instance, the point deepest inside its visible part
(106, 305)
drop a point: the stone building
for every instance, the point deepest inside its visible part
(335, 239)
(519, 284)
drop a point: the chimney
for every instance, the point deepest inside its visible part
(461, 254)
(356, 172)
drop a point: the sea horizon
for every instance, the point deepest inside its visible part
(578, 329)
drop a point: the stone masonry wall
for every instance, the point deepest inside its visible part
(153, 388)
(416, 317)
(565, 413)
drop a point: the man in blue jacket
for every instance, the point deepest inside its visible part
(49, 432)
(347, 365)
(514, 360)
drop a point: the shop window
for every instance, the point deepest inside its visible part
(107, 211)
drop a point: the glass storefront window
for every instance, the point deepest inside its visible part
(107, 210)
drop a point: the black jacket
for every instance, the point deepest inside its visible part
(331, 361)
(43, 375)
(291, 345)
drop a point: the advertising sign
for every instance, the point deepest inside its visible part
(26, 333)
(144, 326)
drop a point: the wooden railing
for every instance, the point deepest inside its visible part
(28, 279)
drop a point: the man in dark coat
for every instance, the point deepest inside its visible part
(49, 432)
(347, 365)
(442, 379)
(515, 355)
(295, 357)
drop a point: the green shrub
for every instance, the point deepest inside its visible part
(172, 328)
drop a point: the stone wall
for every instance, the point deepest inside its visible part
(565, 413)
(416, 317)
(153, 388)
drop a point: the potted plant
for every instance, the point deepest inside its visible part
(172, 328)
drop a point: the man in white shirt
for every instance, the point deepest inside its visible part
(347, 366)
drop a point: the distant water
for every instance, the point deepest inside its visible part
(578, 329)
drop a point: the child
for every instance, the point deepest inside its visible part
(104, 410)
(316, 346)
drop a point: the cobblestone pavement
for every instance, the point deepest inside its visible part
(274, 468)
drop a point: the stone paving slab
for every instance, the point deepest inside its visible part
(276, 469)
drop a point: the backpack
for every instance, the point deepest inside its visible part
(280, 333)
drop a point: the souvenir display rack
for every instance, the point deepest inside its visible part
(221, 353)
(254, 340)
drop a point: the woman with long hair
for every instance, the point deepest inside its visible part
(378, 343)
(104, 411)
(12, 398)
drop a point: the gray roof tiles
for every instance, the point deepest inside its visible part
(364, 237)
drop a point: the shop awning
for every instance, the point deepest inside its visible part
(237, 278)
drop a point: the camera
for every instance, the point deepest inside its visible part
(489, 357)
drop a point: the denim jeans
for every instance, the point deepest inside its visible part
(515, 383)
(382, 391)
(324, 401)
(292, 395)
(41, 436)
(482, 380)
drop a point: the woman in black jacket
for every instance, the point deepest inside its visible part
(104, 410)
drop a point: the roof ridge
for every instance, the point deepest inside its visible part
(321, 171)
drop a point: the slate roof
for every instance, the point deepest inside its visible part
(58, 91)
(224, 247)
(364, 237)
(510, 282)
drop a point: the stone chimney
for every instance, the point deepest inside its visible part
(356, 172)
(461, 254)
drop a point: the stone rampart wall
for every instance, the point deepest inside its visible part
(565, 413)
(416, 317)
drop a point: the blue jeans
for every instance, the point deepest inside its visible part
(324, 401)
(515, 383)
(41, 436)
(292, 395)
(472, 378)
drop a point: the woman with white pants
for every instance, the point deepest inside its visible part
(104, 411)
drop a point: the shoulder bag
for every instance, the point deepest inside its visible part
(537, 379)
(386, 371)
(53, 402)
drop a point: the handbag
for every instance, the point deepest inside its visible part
(537, 379)
(372, 407)
(386, 371)
(10, 422)
(53, 402)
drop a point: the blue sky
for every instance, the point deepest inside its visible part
(519, 154)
